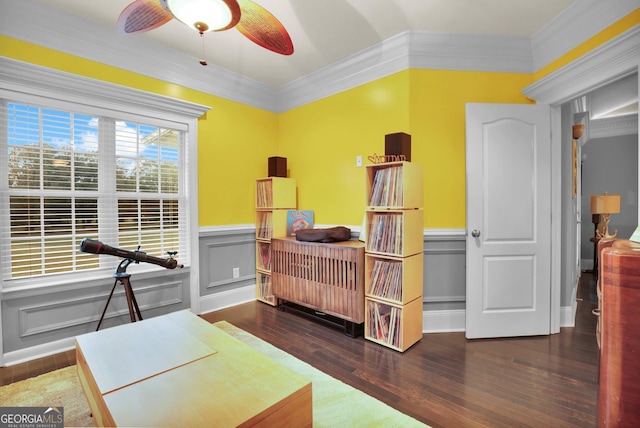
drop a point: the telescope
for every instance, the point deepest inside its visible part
(96, 247)
(122, 277)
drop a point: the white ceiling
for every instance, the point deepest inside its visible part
(326, 31)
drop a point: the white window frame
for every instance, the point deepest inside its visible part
(36, 85)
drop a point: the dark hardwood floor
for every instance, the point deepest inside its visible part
(444, 380)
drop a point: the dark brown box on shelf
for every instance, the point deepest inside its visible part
(398, 144)
(277, 167)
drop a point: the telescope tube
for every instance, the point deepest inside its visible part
(97, 247)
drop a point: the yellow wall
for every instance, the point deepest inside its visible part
(234, 140)
(234, 143)
(322, 139)
(438, 100)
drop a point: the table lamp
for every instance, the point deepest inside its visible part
(604, 206)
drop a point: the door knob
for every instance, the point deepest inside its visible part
(475, 233)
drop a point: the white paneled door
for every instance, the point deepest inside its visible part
(508, 220)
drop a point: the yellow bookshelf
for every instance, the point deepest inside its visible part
(393, 326)
(271, 223)
(394, 254)
(393, 279)
(276, 193)
(394, 184)
(274, 197)
(393, 232)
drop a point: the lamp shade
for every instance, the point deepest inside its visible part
(206, 15)
(577, 130)
(605, 204)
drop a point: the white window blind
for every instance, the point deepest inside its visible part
(71, 175)
(147, 186)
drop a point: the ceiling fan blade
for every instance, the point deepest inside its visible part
(141, 16)
(261, 27)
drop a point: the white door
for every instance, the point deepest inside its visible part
(508, 220)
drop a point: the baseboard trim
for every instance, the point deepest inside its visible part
(38, 351)
(227, 299)
(568, 313)
(446, 321)
(586, 264)
(443, 321)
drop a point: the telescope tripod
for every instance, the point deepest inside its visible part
(122, 277)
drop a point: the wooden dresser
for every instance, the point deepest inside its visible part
(327, 278)
(619, 331)
(601, 245)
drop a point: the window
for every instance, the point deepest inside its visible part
(147, 164)
(71, 175)
(91, 159)
(52, 189)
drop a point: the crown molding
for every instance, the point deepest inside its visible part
(383, 59)
(416, 50)
(443, 51)
(63, 32)
(18, 77)
(613, 126)
(578, 23)
(614, 59)
(54, 29)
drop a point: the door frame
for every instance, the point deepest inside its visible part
(610, 61)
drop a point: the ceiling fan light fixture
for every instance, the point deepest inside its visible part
(206, 15)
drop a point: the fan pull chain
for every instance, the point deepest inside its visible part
(202, 61)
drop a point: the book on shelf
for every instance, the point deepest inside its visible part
(386, 280)
(264, 254)
(395, 338)
(298, 220)
(264, 197)
(385, 233)
(265, 285)
(378, 322)
(393, 327)
(386, 189)
(363, 229)
(264, 225)
(385, 323)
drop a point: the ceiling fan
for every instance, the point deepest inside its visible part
(252, 20)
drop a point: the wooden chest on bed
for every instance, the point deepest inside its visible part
(326, 277)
